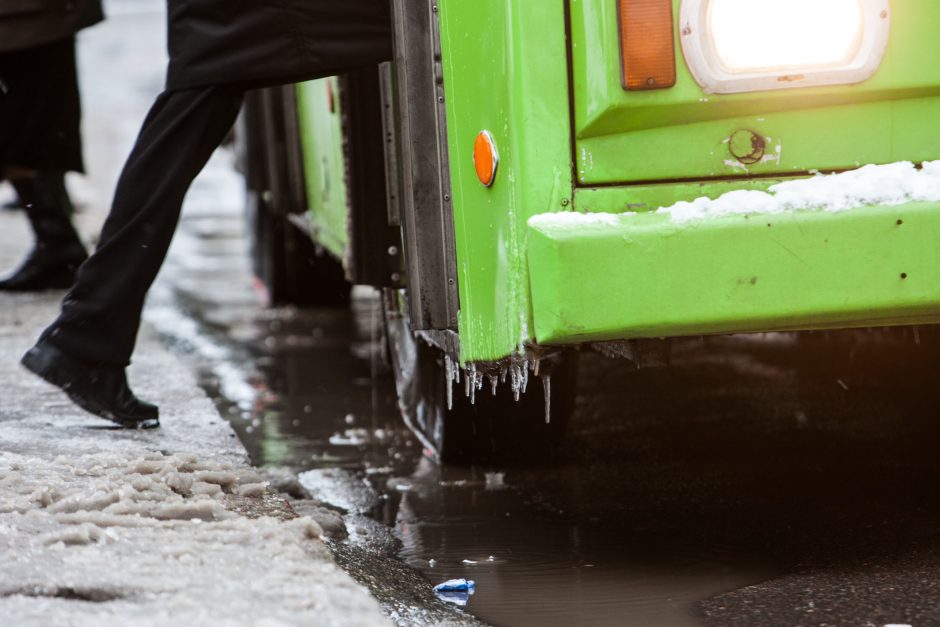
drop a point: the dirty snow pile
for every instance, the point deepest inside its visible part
(153, 539)
(891, 184)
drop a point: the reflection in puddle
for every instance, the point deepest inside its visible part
(536, 569)
(307, 390)
(749, 458)
(322, 404)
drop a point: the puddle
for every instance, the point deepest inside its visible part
(314, 399)
(780, 456)
(536, 569)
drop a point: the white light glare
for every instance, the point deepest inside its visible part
(752, 35)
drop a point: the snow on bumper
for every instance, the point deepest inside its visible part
(715, 267)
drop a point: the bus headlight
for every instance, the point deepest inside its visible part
(735, 46)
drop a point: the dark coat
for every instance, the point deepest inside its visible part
(265, 42)
(31, 23)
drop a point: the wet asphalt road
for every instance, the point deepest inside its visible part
(758, 480)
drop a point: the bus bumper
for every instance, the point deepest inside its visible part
(644, 275)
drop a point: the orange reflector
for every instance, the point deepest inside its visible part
(647, 45)
(485, 158)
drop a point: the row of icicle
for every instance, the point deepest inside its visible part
(517, 372)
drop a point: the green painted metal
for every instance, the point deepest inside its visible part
(682, 133)
(321, 136)
(651, 277)
(505, 70)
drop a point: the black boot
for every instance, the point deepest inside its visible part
(58, 251)
(100, 390)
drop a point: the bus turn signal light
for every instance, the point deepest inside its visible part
(647, 46)
(485, 158)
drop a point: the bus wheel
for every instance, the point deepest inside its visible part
(482, 426)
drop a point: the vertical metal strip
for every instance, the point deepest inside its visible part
(391, 143)
(427, 213)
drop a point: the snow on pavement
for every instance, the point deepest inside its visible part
(113, 527)
(124, 538)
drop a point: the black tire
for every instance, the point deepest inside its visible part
(289, 267)
(484, 427)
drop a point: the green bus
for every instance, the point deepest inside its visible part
(532, 178)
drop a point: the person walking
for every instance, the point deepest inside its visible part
(218, 49)
(40, 138)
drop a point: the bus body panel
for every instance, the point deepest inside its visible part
(505, 71)
(585, 144)
(648, 276)
(321, 131)
(683, 133)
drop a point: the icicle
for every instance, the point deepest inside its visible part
(547, 385)
(503, 371)
(494, 382)
(449, 367)
(538, 364)
(472, 383)
(467, 385)
(525, 376)
(917, 336)
(516, 381)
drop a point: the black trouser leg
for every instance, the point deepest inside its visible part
(101, 314)
(48, 206)
(58, 251)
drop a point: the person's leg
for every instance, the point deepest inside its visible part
(101, 314)
(97, 327)
(58, 251)
(40, 140)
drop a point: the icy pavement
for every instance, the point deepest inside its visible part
(108, 527)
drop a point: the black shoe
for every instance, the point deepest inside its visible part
(46, 268)
(101, 390)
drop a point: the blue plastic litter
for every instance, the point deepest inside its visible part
(456, 585)
(456, 591)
